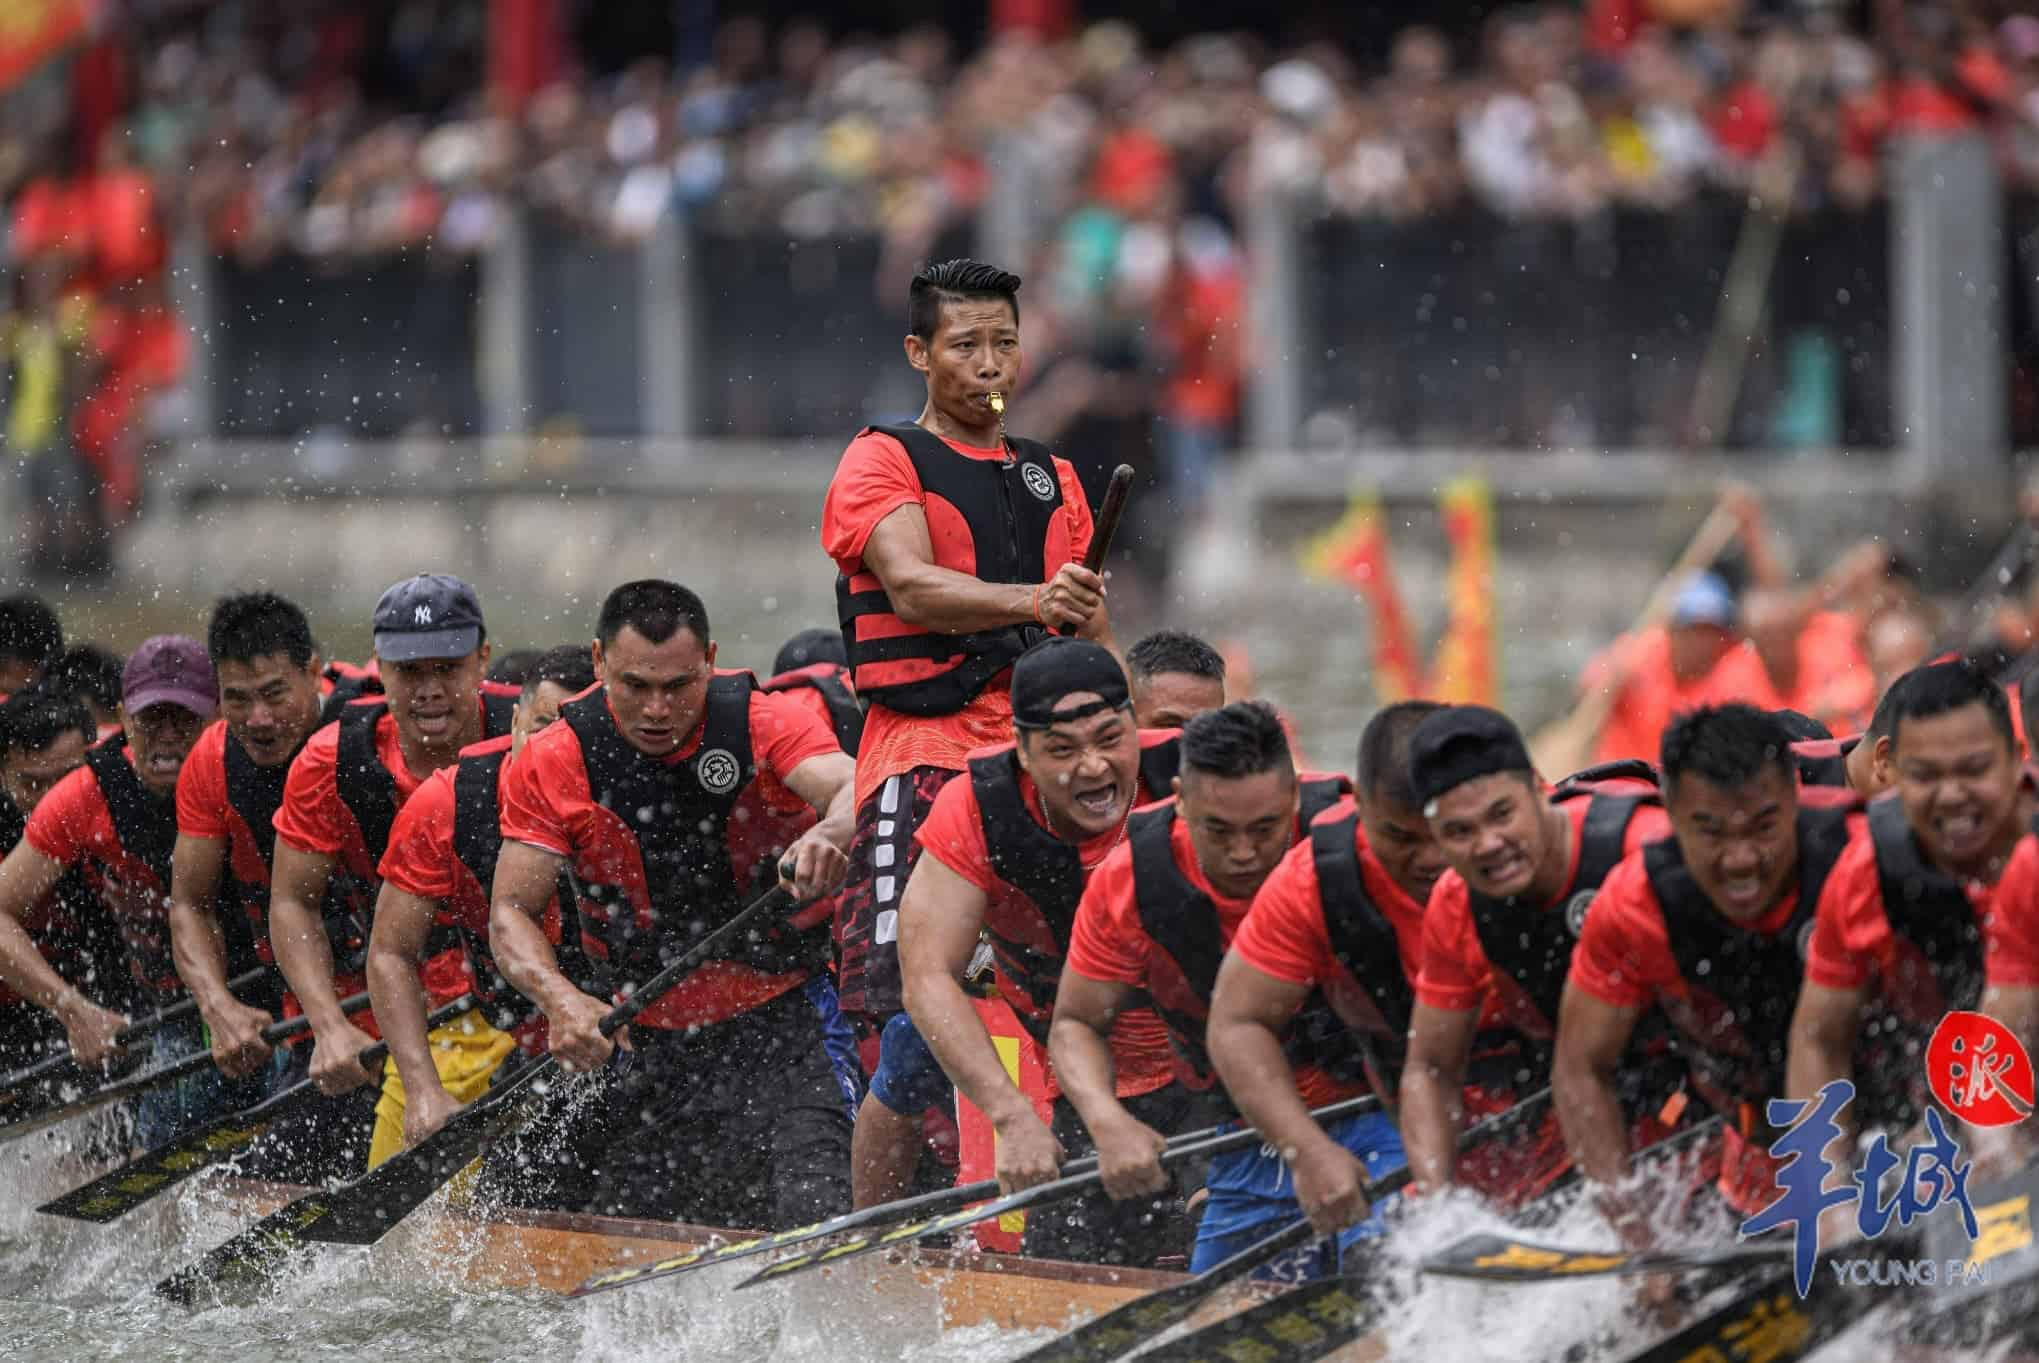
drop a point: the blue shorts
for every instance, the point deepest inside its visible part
(1252, 1196)
(838, 1040)
(909, 1079)
(167, 1111)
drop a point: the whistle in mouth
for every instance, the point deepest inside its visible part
(997, 401)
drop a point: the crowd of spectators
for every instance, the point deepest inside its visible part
(305, 130)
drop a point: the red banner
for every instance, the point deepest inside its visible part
(33, 31)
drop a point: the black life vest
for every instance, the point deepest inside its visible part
(478, 843)
(845, 716)
(1044, 869)
(1928, 909)
(1532, 945)
(1010, 508)
(1364, 942)
(367, 787)
(1183, 923)
(256, 793)
(679, 813)
(145, 825)
(1753, 979)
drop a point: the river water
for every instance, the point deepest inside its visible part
(70, 1291)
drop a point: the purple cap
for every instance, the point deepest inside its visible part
(169, 669)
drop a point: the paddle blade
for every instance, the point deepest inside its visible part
(1506, 1259)
(367, 1209)
(1299, 1326)
(251, 1260)
(114, 1195)
(1127, 1327)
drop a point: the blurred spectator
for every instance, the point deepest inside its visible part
(44, 352)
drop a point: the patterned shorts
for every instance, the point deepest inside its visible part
(882, 856)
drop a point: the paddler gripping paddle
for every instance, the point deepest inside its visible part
(873, 1218)
(11, 1084)
(113, 1195)
(362, 1212)
(1131, 1326)
(1306, 1323)
(1038, 1195)
(59, 1108)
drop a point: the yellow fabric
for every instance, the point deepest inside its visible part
(465, 1051)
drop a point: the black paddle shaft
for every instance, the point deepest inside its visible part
(129, 1034)
(1109, 513)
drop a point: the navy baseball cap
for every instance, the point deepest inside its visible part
(431, 615)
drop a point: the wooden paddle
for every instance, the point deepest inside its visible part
(1567, 744)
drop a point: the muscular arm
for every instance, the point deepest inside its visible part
(1085, 1010)
(1591, 1038)
(1249, 1009)
(1433, 1080)
(395, 946)
(25, 877)
(828, 783)
(1822, 1049)
(940, 916)
(901, 553)
(524, 883)
(198, 946)
(297, 933)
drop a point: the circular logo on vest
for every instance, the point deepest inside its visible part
(719, 771)
(1805, 941)
(1575, 910)
(1039, 481)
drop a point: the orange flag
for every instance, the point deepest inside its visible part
(33, 31)
(1466, 668)
(1355, 551)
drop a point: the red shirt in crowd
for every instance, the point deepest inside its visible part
(874, 479)
(953, 834)
(1109, 942)
(547, 803)
(1456, 973)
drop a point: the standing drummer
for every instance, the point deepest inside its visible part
(956, 548)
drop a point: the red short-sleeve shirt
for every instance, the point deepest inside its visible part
(1456, 973)
(73, 826)
(1853, 942)
(953, 834)
(204, 811)
(313, 817)
(2011, 945)
(875, 478)
(1624, 954)
(1284, 934)
(547, 803)
(1109, 942)
(421, 861)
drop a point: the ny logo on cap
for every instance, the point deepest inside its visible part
(422, 615)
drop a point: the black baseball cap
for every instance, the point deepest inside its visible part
(1058, 667)
(431, 615)
(1462, 743)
